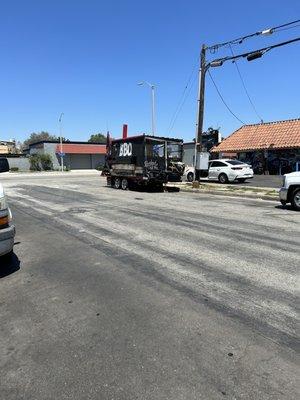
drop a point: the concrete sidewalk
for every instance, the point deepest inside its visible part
(75, 172)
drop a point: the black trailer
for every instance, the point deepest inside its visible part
(143, 161)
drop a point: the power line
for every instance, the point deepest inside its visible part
(222, 98)
(244, 86)
(182, 103)
(253, 54)
(259, 52)
(240, 40)
(183, 98)
(287, 24)
(289, 27)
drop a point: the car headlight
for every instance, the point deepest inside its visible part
(3, 203)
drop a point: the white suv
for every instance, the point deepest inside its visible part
(224, 170)
(290, 190)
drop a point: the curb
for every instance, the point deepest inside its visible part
(228, 194)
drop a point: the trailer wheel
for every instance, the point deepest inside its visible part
(190, 177)
(124, 184)
(117, 184)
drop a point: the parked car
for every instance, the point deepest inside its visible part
(7, 229)
(223, 170)
(290, 190)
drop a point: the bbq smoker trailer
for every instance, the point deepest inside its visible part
(144, 161)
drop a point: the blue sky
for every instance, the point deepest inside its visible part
(85, 57)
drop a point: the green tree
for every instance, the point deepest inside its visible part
(37, 137)
(40, 136)
(97, 138)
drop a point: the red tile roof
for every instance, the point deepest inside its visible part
(270, 135)
(69, 148)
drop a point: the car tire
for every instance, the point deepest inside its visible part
(7, 257)
(283, 203)
(117, 183)
(295, 200)
(223, 178)
(124, 184)
(190, 177)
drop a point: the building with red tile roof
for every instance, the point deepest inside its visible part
(276, 145)
(263, 136)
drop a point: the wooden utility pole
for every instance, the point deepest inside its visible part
(201, 99)
(200, 115)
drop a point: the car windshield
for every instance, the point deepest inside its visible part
(234, 162)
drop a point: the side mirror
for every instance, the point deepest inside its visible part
(4, 166)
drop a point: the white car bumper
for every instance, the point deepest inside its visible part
(247, 174)
(7, 236)
(240, 176)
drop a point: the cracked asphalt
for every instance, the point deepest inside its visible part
(135, 295)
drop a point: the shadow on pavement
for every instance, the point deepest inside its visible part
(287, 207)
(141, 189)
(9, 265)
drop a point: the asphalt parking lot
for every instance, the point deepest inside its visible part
(134, 295)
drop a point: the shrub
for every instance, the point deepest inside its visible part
(14, 169)
(41, 162)
(99, 167)
(46, 162)
(35, 162)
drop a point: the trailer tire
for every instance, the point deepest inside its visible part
(124, 184)
(117, 183)
(190, 177)
(159, 187)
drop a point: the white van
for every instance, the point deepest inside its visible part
(7, 229)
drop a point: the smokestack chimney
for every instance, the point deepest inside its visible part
(125, 128)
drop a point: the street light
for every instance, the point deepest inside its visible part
(152, 87)
(60, 140)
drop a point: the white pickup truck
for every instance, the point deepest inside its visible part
(7, 229)
(290, 190)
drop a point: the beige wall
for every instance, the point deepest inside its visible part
(4, 149)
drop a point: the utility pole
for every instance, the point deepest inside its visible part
(200, 115)
(250, 55)
(201, 99)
